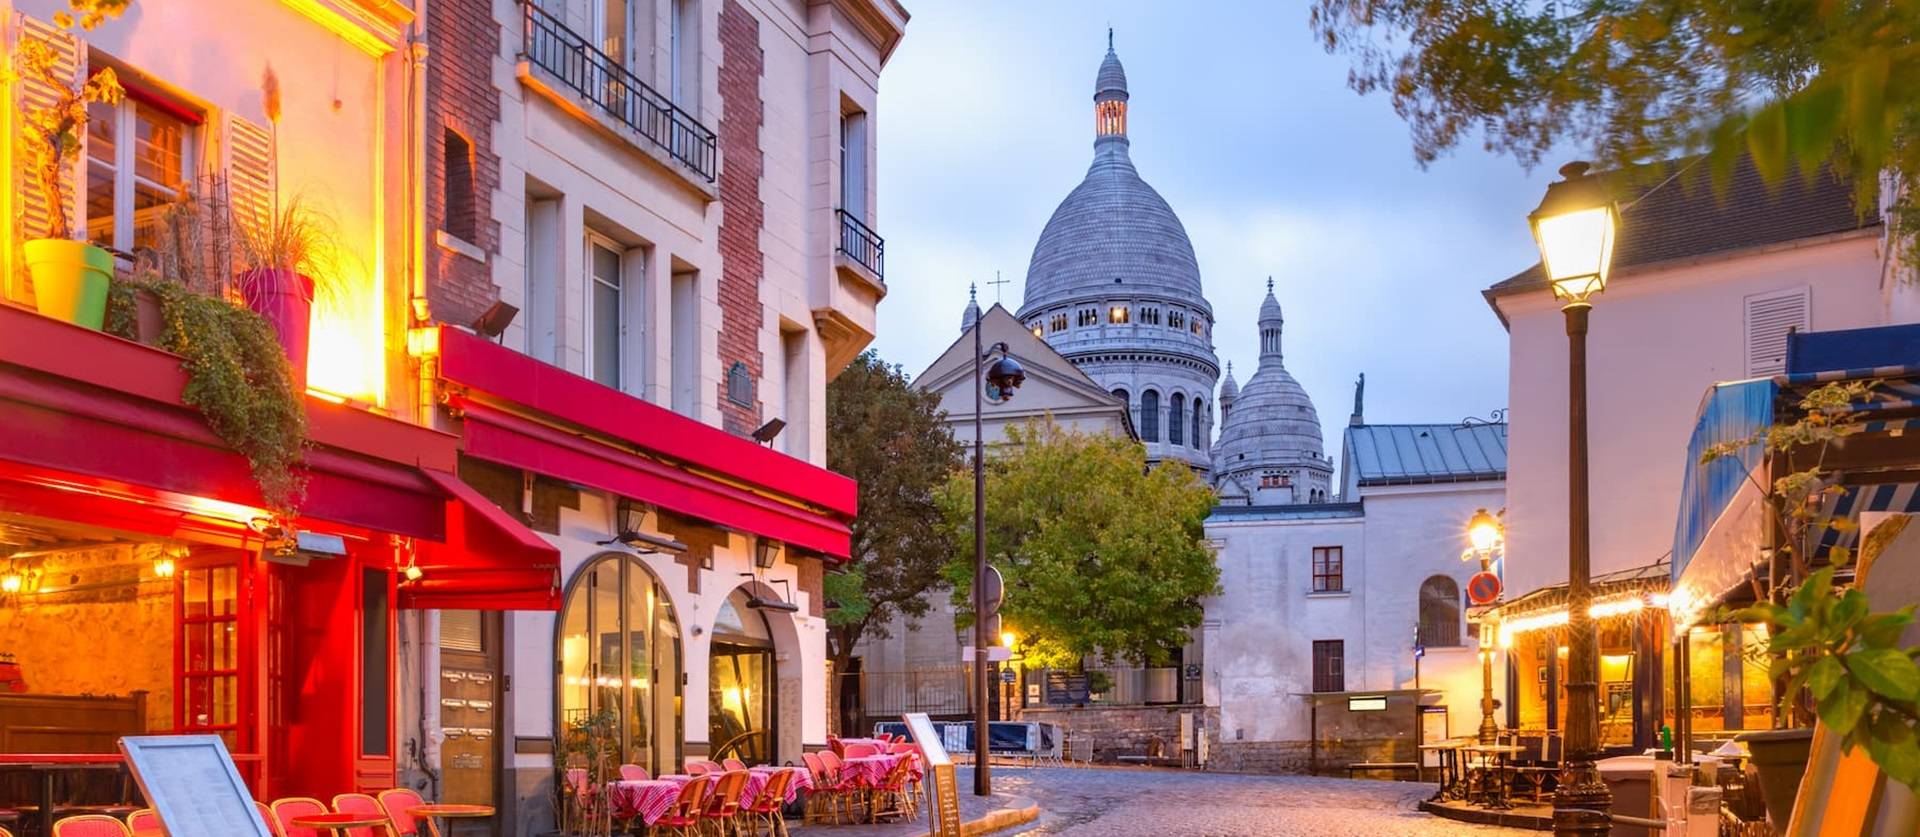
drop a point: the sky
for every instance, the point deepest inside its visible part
(1247, 127)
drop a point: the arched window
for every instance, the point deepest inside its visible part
(1199, 433)
(1440, 612)
(1176, 419)
(619, 652)
(1150, 416)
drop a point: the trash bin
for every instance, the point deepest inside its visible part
(1630, 778)
(1703, 813)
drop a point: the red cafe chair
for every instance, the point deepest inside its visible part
(861, 748)
(285, 811)
(360, 803)
(766, 809)
(398, 802)
(266, 816)
(633, 773)
(732, 764)
(697, 768)
(723, 805)
(685, 817)
(144, 820)
(91, 825)
(835, 745)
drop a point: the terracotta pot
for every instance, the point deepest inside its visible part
(285, 299)
(70, 280)
(147, 321)
(1780, 756)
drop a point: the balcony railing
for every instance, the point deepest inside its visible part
(862, 244)
(600, 79)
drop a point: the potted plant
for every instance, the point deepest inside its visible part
(70, 276)
(1828, 657)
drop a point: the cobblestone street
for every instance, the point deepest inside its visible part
(1098, 802)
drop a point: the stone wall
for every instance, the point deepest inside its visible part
(98, 604)
(1115, 731)
(1365, 742)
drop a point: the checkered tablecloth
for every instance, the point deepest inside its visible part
(646, 799)
(757, 778)
(871, 771)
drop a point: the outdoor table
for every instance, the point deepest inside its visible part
(1449, 766)
(448, 811)
(645, 799)
(46, 765)
(872, 742)
(1493, 782)
(759, 775)
(338, 823)
(869, 771)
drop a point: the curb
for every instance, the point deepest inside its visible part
(1018, 811)
(1484, 817)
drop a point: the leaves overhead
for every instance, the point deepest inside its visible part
(1099, 554)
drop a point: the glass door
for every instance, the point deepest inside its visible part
(741, 703)
(213, 647)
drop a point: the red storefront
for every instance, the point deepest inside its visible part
(143, 590)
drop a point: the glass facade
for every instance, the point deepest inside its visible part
(619, 651)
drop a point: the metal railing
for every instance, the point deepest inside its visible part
(862, 244)
(601, 80)
(869, 696)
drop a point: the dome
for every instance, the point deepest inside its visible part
(1273, 426)
(1111, 83)
(1230, 388)
(1113, 230)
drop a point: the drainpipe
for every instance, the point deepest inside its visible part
(428, 759)
(418, 313)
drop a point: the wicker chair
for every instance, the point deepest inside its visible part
(91, 825)
(397, 803)
(145, 819)
(360, 803)
(285, 810)
(767, 808)
(266, 816)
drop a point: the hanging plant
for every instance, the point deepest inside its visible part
(237, 377)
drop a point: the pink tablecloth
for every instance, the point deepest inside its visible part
(647, 800)
(871, 771)
(757, 778)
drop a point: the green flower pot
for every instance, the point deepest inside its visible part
(70, 280)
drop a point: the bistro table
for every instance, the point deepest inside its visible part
(1493, 765)
(448, 811)
(645, 799)
(1449, 767)
(46, 765)
(338, 822)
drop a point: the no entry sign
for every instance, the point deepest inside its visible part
(1483, 588)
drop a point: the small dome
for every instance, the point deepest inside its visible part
(1111, 83)
(1273, 424)
(972, 314)
(1230, 388)
(1270, 308)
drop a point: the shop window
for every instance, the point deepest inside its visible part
(139, 152)
(1329, 665)
(1176, 419)
(619, 654)
(1329, 569)
(1440, 612)
(376, 664)
(741, 684)
(456, 187)
(1150, 416)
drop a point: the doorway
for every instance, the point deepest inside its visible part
(741, 695)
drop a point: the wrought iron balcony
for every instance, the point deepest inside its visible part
(862, 244)
(618, 93)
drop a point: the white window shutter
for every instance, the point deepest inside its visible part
(35, 208)
(1769, 318)
(249, 156)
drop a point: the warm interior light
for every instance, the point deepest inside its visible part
(1483, 530)
(413, 572)
(163, 567)
(1576, 249)
(10, 583)
(423, 341)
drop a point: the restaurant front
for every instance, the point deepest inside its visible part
(144, 588)
(691, 623)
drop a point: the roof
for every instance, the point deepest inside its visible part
(1294, 511)
(1683, 216)
(1413, 454)
(1650, 578)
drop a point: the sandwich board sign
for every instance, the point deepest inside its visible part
(193, 786)
(944, 812)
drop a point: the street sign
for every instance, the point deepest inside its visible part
(1483, 588)
(995, 653)
(1007, 676)
(1066, 688)
(996, 590)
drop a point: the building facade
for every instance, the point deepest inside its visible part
(1114, 286)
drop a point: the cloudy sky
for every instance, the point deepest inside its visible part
(1246, 126)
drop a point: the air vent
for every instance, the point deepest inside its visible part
(1770, 317)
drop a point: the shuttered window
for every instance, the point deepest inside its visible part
(249, 150)
(1769, 318)
(34, 203)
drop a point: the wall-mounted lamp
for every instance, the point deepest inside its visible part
(769, 430)
(758, 602)
(494, 321)
(766, 553)
(628, 519)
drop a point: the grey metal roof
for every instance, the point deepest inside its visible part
(1296, 511)
(1410, 454)
(1112, 78)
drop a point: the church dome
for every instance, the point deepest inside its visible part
(1271, 437)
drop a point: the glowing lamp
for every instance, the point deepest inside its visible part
(1483, 530)
(1007, 638)
(1575, 226)
(423, 341)
(10, 583)
(163, 567)
(413, 572)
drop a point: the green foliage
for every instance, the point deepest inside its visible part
(53, 129)
(893, 439)
(1796, 84)
(1825, 641)
(591, 744)
(237, 376)
(1099, 554)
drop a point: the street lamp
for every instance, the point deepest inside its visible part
(1486, 534)
(1575, 226)
(1002, 379)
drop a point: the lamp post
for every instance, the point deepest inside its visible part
(1001, 380)
(1575, 226)
(1486, 534)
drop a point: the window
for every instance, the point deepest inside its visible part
(1122, 395)
(1176, 318)
(793, 355)
(1329, 569)
(456, 188)
(1088, 317)
(1150, 316)
(1176, 419)
(376, 697)
(1329, 665)
(685, 299)
(1275, 479)
(1057, 322)
(616, 32)
(138, 156)
(683, 51)
(1199, 433)
(606, 322)
(1038, 331)
(1150, 416)
(1196, 326)
(1439, 612)
(853, 165)
(619, 653)
(543, 268)
(1117, 314)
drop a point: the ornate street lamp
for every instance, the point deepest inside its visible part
(1575, 226)
(1002, 379)
(1487, 534)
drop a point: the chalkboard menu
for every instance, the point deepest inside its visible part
(193, 786)
(1065, 687)
(944, 819)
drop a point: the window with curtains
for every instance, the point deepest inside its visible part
(1329, 569)
(1440, 612)
(1150, 416)
(1329, 665)
(139, 154)
(619, 655)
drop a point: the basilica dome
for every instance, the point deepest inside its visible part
(1271, 451)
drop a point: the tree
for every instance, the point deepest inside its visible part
(893, 439)
(1801, 82)
(1099, 554)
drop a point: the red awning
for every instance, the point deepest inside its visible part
(527, 414)
(490, 561)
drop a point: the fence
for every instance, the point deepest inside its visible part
(870, 696)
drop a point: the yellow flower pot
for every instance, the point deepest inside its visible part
(70, 280)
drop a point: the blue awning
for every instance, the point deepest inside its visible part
(1730, 412)
(1854, 352)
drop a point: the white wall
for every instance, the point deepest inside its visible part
(1657, 340)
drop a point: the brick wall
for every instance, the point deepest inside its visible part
(743, 212)
(462, 41)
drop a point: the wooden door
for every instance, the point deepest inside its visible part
(470, 705)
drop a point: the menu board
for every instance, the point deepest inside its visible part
(193, 786)
(944, 820)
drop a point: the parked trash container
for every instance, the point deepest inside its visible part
(1703, 812)
(1630, 778)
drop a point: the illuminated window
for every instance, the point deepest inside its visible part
(619, 655)
(1329, 665)
(1117, 314)
(138, 156)
(1329, 569)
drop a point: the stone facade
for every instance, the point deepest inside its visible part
(1115, 731)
